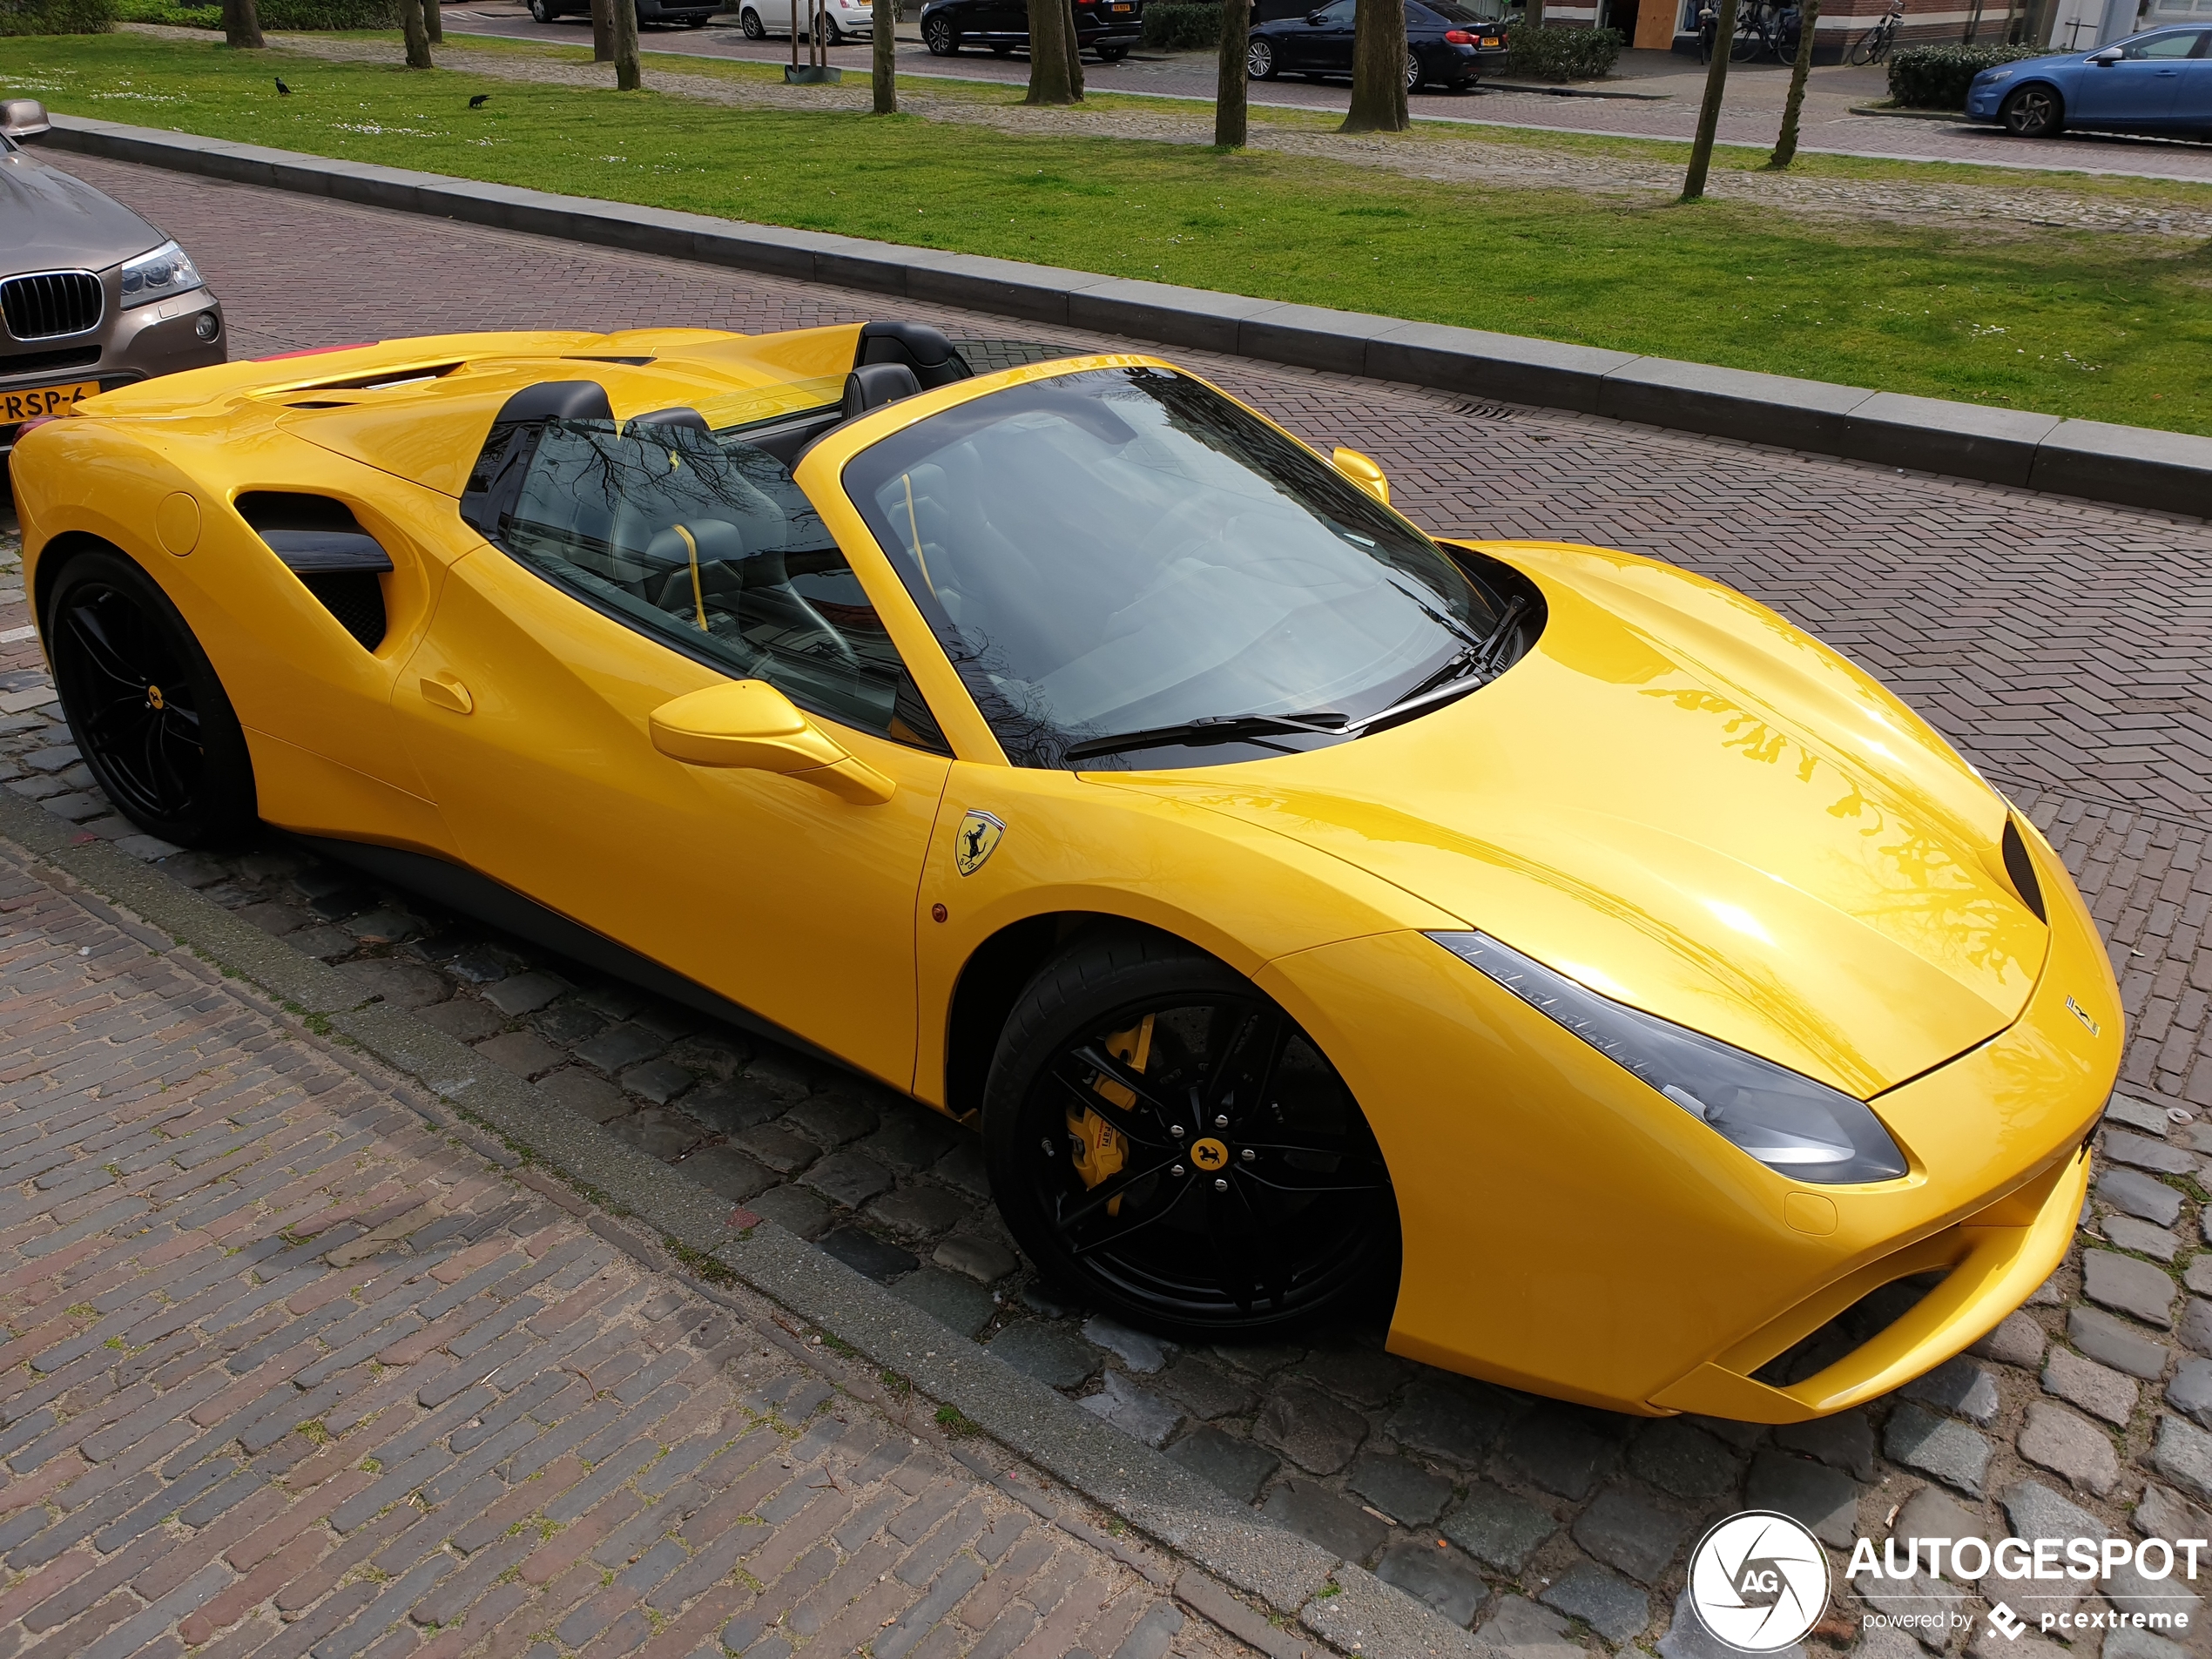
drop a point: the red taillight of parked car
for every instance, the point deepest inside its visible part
(1458, 38)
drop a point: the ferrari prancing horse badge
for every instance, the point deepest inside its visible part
(977, 840)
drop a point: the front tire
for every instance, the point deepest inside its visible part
(1259, 61)
(540, 12)
(145, 705)
(1271, 1207)
(831, 35)
(2033, 112)
(1413, 76)
(749, 21)
(941, 37)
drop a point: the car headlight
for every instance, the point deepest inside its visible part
(1994, 76)
(1796, 1127)
(168, 270)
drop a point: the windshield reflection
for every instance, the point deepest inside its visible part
(1125, 551)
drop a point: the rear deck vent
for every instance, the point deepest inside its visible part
(322, 544)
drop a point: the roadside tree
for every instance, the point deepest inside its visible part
(1378, 68)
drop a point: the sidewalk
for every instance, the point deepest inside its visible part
(299, 1365)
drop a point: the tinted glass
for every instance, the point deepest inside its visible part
(1125, 549)
(1453, 14)
(712, 549)
(1338, 16)
(2178, 43)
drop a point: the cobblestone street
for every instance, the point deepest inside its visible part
(2059, 645)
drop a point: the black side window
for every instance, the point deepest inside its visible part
(708, 547)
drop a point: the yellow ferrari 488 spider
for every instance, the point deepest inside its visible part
(1547, 945)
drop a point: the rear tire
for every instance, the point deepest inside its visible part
(1414, 75)
(749, 21)
(145, 705)
(1271, 1208)
(1259, 61)
(541, 12)
(2033, 112)
(1112, 54)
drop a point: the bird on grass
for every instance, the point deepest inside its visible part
(479, 100)
(282, 90)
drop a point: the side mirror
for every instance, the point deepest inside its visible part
(2106, 58)
(1314, 17)
(748, 724)
(1364, 473)
(23, 118)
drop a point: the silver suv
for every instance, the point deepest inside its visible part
(92, 296)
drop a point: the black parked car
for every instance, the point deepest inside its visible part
(1107, 27)
(648, 12)
(1446, 43)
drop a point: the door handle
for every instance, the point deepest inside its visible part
(444, 692)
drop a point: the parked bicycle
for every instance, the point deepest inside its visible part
(1874, 46)
(1761, 26)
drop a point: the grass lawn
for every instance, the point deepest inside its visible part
(2106, 326)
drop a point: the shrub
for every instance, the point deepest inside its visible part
(56, 16)
(1936, 78)
(295, 14)
(1183, 28)
(1561, 52)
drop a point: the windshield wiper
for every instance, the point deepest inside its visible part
(1469, 670)
(1211, 728)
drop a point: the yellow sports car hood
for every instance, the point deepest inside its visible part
(1685, 803)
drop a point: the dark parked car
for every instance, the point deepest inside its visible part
(2156, 82)
(92, 296)
(1446, 44)
(691, 16)
(1107, 27)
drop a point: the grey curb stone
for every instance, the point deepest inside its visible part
(1143, 1487)
(2131, 466)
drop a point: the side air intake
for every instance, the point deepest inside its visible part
(322, 544)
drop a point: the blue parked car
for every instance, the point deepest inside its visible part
(2159, 81)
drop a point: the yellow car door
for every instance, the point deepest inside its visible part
(630, 569)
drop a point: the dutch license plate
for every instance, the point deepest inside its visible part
(1121, 8)
(18, 406)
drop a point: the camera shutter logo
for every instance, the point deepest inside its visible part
(1759, 1582)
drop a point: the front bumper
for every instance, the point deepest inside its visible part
(1569, 1231)
(158, 337)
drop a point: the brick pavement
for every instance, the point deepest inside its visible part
(2054, 641)
(294, 1364)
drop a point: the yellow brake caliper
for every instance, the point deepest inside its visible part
(1101, 1148)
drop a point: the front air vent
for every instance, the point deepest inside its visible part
(35, 362)
(52, 304)
(2022, 868)
(322, 544)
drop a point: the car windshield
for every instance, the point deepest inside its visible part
(1125, 552)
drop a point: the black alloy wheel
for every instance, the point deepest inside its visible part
(939, 34)
(143, 705)
(1164, 1140)
(1413, 71)
(2033, 112)
(1260, 60)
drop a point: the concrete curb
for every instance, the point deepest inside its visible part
(1285, 1573)
(2130, 466)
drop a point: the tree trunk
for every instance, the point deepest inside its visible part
(434, 21)
(884, 60)
(603, 32)
(1074, 51)
(1229, 85)
(418, 37)
(1785, 147)
(1533, 17)
(241, 25)
(1049, 82)
(624, 18)
(1708, 115)
(1378, 68)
